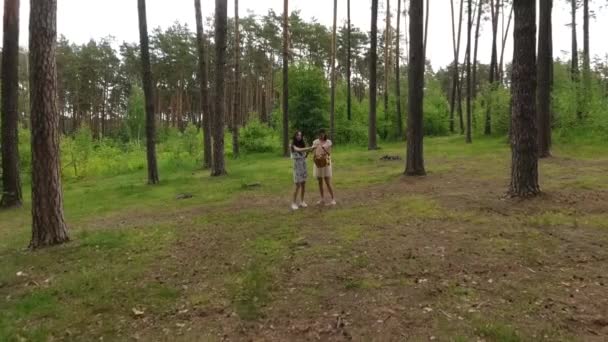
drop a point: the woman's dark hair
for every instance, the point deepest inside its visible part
(323, 133)
(298, 143)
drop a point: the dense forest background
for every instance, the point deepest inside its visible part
(101, 102)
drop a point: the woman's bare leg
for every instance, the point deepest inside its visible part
(295, 193)
(321, 189)
(329, 187)
(302, 191)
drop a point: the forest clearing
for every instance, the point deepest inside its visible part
(446, 256)
(160, 170)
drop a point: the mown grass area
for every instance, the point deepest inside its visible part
(135, 248)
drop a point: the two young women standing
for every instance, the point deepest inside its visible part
(322, 169)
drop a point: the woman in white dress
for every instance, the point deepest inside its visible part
(322, 170)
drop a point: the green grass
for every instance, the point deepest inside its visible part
(123, 231)
(497, 332)
(94, 276)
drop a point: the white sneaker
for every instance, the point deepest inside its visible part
(320, 202)
(332, 203)
(294, 206)
(303, 205)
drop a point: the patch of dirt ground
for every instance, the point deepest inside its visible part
(444, 257)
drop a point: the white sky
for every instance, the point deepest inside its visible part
(81, 20)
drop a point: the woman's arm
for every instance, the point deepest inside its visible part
(301, 149)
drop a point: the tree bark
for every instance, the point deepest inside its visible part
(574, 62)
(202, 70)
(456, 73)
(286, 78)
(348, 64)
(545, 64)
(373, 78)
(493, 65)
(505, 35)
(48, 226)
(398, 72)
(586, 59)
(11, 181)
(427, 11)
(147, 85)
(477, 26)
(504, 44)
(469, 138)
(415, 157)
(332, 109)
(221, 26)
(237, 82)
(387, 47)
(524, 148)
(586, 51)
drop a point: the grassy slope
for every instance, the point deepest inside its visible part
(128, 235)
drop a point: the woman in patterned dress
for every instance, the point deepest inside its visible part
(299, 152)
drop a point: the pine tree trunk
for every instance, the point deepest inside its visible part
(493, 66)
(387, 47)
(332, 108)
(348, 64)
(202, 71)
(460, 109)
(11, 181)
(469, 137)
(479, 12)
(574, 62)
(586, 59)
(147, 84)
(415, 157)
(221, 26)
(286, 78)
(427, 12)
(48, 226)
(504, 44)
(398, 72)
(237, 82)
(373, 78)
(545, 64)
(524, 169)
(456, 73)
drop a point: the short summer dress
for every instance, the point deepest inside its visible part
(321, 149)
(299, 167)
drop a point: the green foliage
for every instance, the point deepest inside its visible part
(352, 131)
(191, 140)
(308, 100)
(258, 137)
(570, 99)
(499, 100)
(436, 110)
(181, 148)
(76, 151)
(136, 114)
(25, 151)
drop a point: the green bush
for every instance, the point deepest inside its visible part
(436, 110)
(135, 124)
(25, 151)
(257, 137)
(499, 100)
(308, 100)
(76, 151)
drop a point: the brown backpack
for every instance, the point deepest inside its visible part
(321, 161)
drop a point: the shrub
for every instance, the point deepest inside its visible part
(436, 110)
(258, 137)
(308, 100)
(76, 151)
